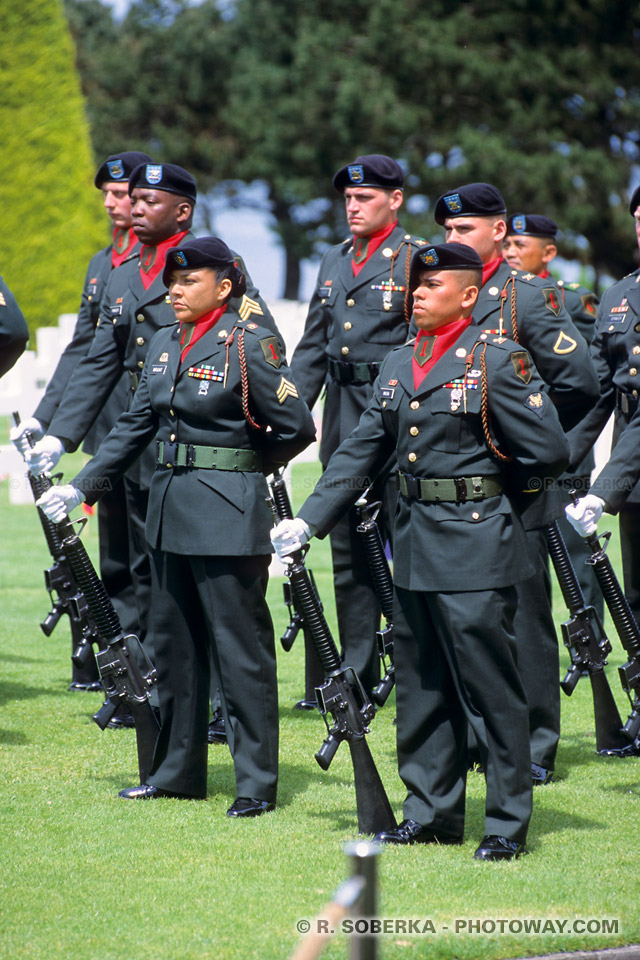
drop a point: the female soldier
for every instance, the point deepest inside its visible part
(218, 398)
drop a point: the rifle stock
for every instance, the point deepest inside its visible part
(624, 622)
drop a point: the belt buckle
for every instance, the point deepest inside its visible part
(461, 489)
(190, 455)
(170, 453)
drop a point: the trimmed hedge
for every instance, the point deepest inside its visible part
(52, 216)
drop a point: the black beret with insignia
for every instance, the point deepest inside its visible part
(635, 201)
(443, 256)
(531, 225)
(372, 170)
(164, 176)
(119, 166)
(470, 200)
(205, 252)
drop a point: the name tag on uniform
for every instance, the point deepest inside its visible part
(116, 309)
(159, 368)
(92, 288)
(387, 393)
(325, 292)
(617, 317)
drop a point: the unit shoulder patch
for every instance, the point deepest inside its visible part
(552, 300)
(271, 351)
(589, 303)
(522, 365)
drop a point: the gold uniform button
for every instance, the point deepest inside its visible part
(636, 349)
(475, 516)
(140, 341)
(168, 464)
(141, 364)
(348, 326)
(344, 351)
(323, 301)
(414, 431)
(413, 457)
(172, 437)
(89, 298)
(632, 372)
(611, 328)
(351, 303)
(414, 404)
(634, 393)
(171, 413)
(637, 328)
(384, 403)
(140, 317)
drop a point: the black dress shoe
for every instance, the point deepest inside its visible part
(410, 831)
(498, 848)
(123, 722)
(94, 687)
(249, 807)
(147, 791)
(217, 732)
(305, 705)
(540, 775)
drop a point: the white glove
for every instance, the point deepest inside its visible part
(18, 435)
(584, 515)
(43, 456)
(289, 536)
(57, 502)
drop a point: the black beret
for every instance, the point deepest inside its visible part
(531, 225)
(372, 170)
(446, 256)
(470, 200)
(635, 201)
(119, 166)
(164, 176)
(201, 252)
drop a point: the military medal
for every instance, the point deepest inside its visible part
(456, 396)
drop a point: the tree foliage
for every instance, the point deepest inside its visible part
(540, 97)
(52, 216)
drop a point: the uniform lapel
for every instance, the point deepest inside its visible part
(489, 297)
(449, 366)
(633, 298)
(209, 347)
(375, 266)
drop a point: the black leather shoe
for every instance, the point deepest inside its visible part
(410, 831)
(540, 775)
(94, 687)
(498, 848)
(148, 792)
(249, 807)
(305, 705)
(217, 732)
(124, 722)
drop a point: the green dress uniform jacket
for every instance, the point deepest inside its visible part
(13, 329)
(455, 564)
(352, 324)
(208, 532)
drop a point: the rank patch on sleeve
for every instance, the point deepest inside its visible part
(522, 365)
(286, 389)
(271, 350)
(564, 343)
(249, 306)
(536, 402)
(552, 300)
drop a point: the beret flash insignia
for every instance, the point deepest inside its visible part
(180, 258)
(116, 169)
(453, 203)
(519, 224)
(429, 257)
(356, 172)
(153, 172)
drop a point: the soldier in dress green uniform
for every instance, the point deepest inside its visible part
(468, 432)
(358, 313)
(530, 246)
(529, 311)
(14, 333)
(217, 397)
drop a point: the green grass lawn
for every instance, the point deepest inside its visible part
(86, 876)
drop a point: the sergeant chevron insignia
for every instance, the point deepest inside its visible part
(249, 306)
(564, 343)
(286, 389)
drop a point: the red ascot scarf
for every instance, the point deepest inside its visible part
(488, 269)
(544, 274)
(152, 259)
(433, 346)
(364, 247)
(190, 333)
(122, 244)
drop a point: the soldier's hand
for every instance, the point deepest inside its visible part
(44, 455)
(584, 515)
(289, 536)
(19, 438)
(57, 502)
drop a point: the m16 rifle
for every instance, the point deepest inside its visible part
(624, 622)
(588, 647)
(342, 697)
(121, 676)
(65, 594)
(383, 587)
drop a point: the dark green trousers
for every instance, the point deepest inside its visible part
(214, 609)
(455, 657)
